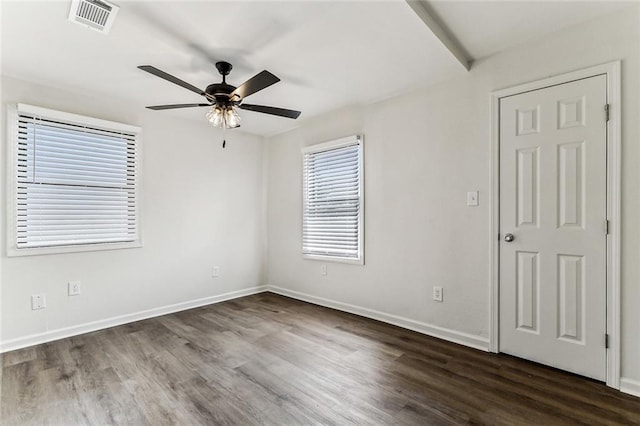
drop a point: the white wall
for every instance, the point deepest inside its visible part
(423, 152)
(202, 206)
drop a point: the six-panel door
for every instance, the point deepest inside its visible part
(553, 201)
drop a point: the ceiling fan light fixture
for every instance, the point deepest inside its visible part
(226, 117)
(224, 100)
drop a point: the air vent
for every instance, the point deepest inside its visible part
(95, 14)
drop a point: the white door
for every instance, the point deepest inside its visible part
(553, 202)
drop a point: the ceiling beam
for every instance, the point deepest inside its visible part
(424, 12)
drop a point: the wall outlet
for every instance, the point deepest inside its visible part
(472, 199)
(437, 293)
(38, 301)
(73, 288)
(323, 270)
(215, 271)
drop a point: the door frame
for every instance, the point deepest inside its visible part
(612, 72)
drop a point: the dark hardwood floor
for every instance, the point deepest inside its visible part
(267, 359)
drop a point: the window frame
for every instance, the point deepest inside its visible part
(13, 111)
(327, 146)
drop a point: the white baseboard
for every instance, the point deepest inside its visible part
(632, 387)
(627, 385)
(465, 339)
(61, 333)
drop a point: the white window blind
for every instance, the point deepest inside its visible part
(75, 184)
(333, 200)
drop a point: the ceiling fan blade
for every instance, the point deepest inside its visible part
(175, 80)
(256, 83)
(160, 107)
(289, 113)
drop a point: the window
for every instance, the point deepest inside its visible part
(333, 201)
(74, 182)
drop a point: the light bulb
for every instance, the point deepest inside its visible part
(216, 116)
(236, 117)
(213, 116)
(231, 119)
(226, 117)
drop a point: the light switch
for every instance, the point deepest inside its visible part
(472, 198)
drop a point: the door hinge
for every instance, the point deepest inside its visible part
(606, 227)
(606, 112)
(606, 341)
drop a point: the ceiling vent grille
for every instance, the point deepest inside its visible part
(95, 14)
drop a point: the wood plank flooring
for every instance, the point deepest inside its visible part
(267, 359)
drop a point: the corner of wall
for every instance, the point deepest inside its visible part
(264, 275)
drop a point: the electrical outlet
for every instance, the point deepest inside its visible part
(472, 199)
(38, 301)
(215, 272)
(323, 270)
(73, 288)
(437, 293)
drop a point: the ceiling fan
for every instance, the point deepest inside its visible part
(224, 99)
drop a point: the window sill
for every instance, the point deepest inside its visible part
(15, 252)
(320, 257)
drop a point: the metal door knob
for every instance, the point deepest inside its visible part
(509, 237)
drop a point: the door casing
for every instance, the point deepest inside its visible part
(612, 72)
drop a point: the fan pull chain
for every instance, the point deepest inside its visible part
(224, 138)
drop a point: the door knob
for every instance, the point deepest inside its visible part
(509, 237)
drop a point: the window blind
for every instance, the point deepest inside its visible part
(332, 201)
(75, 184)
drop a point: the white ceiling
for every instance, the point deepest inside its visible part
(328, 54)
(488, 27)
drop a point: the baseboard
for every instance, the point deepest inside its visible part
(465, 339)
(629, 386)
(61, 333)
(632, 387)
